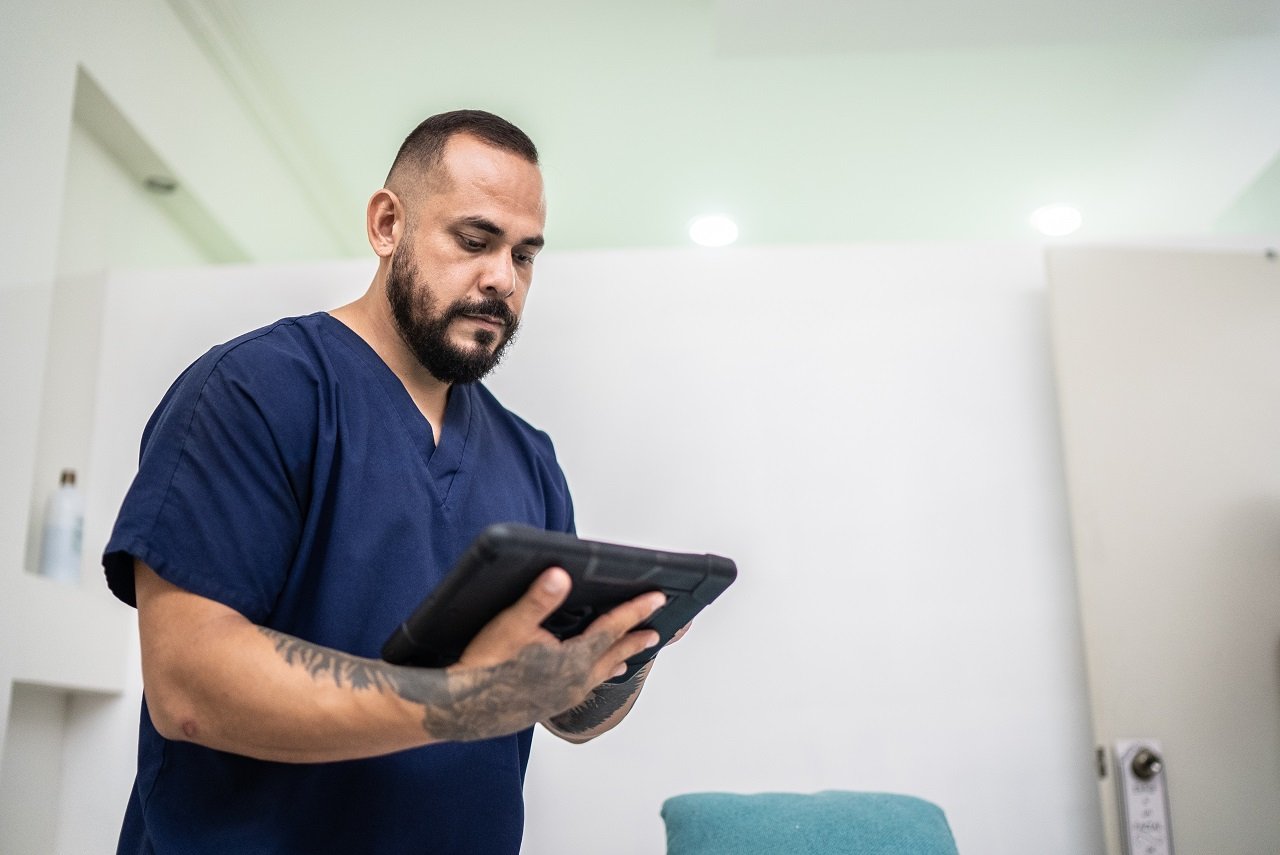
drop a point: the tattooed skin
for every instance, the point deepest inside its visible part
(539, 682)
(600, 705)
(344, 669)
(464, 703)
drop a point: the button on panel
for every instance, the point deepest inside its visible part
(1144, 797)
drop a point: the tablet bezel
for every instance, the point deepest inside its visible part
(503, 561)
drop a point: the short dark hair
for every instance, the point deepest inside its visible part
(424, 147)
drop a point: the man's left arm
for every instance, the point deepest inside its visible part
(607, 705)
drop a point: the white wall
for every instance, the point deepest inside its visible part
(169, 92)
(110, 221)
(30, 789)
(869, 432)
(68, 212)
(147, 63)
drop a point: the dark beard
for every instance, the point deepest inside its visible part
(426, 332)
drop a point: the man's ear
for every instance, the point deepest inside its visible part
(384, 222)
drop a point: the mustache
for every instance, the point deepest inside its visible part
(491, 306)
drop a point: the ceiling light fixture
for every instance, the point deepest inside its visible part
(162, 184)
(1055, 220)
(713, 230)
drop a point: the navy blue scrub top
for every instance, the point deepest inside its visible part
(288, 475)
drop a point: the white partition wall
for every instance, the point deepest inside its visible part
(869, 432)
(1168, 368)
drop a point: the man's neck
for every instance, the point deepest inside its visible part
(379, 331)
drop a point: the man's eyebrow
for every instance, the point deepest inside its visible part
(490, 227)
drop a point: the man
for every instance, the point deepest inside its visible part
(300, 489)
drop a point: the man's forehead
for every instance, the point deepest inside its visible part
(466, 157)
(498, 204)
(463, 158)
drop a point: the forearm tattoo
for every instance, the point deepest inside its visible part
(466, 704)
(603, 702)
(344, 669)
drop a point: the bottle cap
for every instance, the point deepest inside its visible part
(68, 477)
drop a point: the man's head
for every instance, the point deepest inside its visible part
(457, 227)
(422, 151)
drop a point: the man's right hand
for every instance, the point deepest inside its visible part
(514, 654)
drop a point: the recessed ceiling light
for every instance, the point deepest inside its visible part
(162, 184)
(1055, 220)
(713, 230)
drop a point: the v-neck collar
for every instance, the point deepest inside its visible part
(441, 462)
(446, 459)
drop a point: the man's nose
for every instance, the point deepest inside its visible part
(499, 275)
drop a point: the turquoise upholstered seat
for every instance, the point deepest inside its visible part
(794, 824)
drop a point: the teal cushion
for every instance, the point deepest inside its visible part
(828, 822)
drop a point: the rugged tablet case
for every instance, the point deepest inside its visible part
(504, 559)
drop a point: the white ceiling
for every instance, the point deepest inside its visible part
(808, 121)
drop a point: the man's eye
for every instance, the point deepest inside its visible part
(470, 243)
(524, 257)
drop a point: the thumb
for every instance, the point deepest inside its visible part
(544, 596)
(520, 623)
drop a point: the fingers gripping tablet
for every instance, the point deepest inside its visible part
(502, 562)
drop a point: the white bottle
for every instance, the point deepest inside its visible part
(63, 532)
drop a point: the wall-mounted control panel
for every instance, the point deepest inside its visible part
(1144, 797)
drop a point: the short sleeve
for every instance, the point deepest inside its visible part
(213, 508)
(559, 501)
(568, 525)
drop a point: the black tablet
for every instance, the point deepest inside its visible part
(502, 562)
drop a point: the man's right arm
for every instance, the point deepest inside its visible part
(214, 678)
